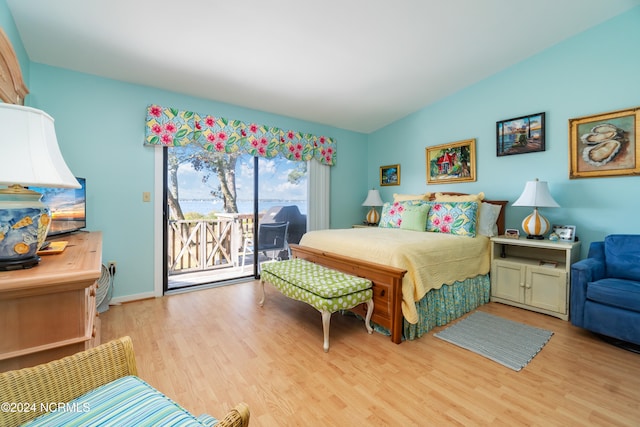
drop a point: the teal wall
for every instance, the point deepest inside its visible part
(100, 128)
(100, 124)
(565, 81)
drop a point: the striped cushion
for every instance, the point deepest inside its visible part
(322, 281)
(127, 401)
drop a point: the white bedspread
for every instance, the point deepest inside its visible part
(431, 259)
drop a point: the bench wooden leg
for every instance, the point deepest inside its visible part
(263, 294)
(326, 320)
(367, 320)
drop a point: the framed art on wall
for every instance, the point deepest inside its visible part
(520, 135)
(390, 175)
(450, 163)
(605, 144)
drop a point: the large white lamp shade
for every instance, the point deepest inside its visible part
(536, 194)
(30, 156)
(373, 199)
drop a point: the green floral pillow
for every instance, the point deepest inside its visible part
(457, 218)
(392, 213)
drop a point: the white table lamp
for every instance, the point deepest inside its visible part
(30, 157)
(536, 194)
(373, 199)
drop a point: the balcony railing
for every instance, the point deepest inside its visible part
(198, 245)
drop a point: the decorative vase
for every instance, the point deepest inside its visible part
(24, 224)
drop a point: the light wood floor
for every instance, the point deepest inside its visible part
(213, 348)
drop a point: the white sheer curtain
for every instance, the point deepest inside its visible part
(318, 196)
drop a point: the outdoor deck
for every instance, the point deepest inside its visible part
(208, 251)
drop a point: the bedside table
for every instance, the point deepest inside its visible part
(533, 274)
(363, 226)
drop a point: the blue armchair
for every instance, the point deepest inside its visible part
(605, 288)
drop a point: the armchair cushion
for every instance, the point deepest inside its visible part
(127, 401)
(622, 255)
(619, 293)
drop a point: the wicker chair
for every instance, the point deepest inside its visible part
(68, 378)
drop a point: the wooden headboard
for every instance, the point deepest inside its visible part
(501, 218)
(12, 87)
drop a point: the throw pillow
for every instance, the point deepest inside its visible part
(487, 219)
(457, 218)
(440, 197)
(415, 218)
(404, 197)
(392, 213)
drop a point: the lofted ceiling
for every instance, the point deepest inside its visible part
(352, 64)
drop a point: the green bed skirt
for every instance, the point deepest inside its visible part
(440, 306)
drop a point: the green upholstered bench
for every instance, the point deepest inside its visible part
(323, 288)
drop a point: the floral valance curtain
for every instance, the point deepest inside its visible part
(172, 127)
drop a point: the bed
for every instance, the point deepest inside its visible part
(421, 279)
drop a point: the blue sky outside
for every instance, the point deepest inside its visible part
(273, 184)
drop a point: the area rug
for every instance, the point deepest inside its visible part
(509, 343)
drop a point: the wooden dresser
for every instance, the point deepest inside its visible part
(49, 311)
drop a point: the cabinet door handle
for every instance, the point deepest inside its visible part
(382, 292)
(522, 285)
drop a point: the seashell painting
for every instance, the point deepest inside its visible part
(605, 128)
(602, 132)
(605, 144)
(601, 154)
(596, 137)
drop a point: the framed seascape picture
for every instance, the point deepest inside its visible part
(390, 175)
(605, 144)
(450, 163)
(520, 135)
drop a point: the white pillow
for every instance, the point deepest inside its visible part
(488, 216)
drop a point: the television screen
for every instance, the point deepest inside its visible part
(68, 207)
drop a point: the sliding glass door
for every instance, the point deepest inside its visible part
(215, 203)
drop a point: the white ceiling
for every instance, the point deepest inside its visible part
(353, 64)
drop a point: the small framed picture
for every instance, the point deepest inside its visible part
(512, 233)
(390, 175)
(565, 233)
(520, 135)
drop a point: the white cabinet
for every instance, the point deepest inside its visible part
(533, 274)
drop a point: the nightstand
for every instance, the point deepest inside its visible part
(363, 226)
(533, 274)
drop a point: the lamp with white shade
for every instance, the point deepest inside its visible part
(536, 194)
(30, 156)
(373, 199)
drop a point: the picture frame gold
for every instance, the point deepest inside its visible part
(390, 175)
(604, 145)
(452, 162)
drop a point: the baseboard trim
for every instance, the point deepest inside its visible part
(131, 298)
